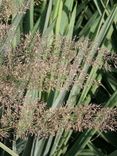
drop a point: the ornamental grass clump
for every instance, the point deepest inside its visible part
(38, 64)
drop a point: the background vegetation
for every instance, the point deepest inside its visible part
(78, 20)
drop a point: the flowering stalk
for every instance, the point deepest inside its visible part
(49, 121)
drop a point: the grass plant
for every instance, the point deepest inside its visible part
(61, 53)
